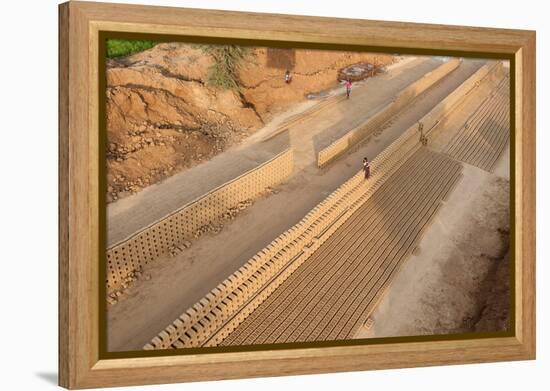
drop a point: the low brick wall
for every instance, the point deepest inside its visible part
(158, 238)
(356, 135)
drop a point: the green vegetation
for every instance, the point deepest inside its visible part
(224, 73)
(124, 47)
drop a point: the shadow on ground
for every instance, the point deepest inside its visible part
(48, 377)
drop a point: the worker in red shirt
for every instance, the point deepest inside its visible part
(348, 88)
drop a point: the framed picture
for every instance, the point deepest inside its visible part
(247, 195)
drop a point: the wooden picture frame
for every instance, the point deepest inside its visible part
(82, 361)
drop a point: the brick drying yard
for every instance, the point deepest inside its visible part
(280, 239)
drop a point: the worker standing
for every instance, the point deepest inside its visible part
(288, 78)
(366, 167)
(348, 88)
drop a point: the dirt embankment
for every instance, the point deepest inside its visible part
(482, 299)
(163, 116)
(494, 313)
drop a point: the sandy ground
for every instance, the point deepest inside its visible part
(179, 282)
(502, 167)
(438, 289)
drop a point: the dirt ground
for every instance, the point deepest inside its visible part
(163, 116)
(457, 281)
(178, 282)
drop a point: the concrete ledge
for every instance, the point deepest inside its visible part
(301, 117)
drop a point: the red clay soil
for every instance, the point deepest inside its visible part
(163, 117)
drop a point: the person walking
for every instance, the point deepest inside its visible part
(348, 88)
(366, 167)
(287, 77)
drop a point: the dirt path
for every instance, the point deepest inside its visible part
(132, 213)
(178, 282)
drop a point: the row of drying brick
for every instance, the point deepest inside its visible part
(481, 140)
(384, 166)
(220, 311)
(335, 289)
(490, 72)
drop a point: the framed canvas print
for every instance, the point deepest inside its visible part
(251, 195)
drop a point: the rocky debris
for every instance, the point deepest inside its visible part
(136, 151)
(121, 186)
(211, 228)
(115, 296)
(231, 213)
(137, 142)
(215, 227)
(494, 313)
(271, 190)
(175, 250)
(358, 71)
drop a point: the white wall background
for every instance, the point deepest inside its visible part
(28, 200)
